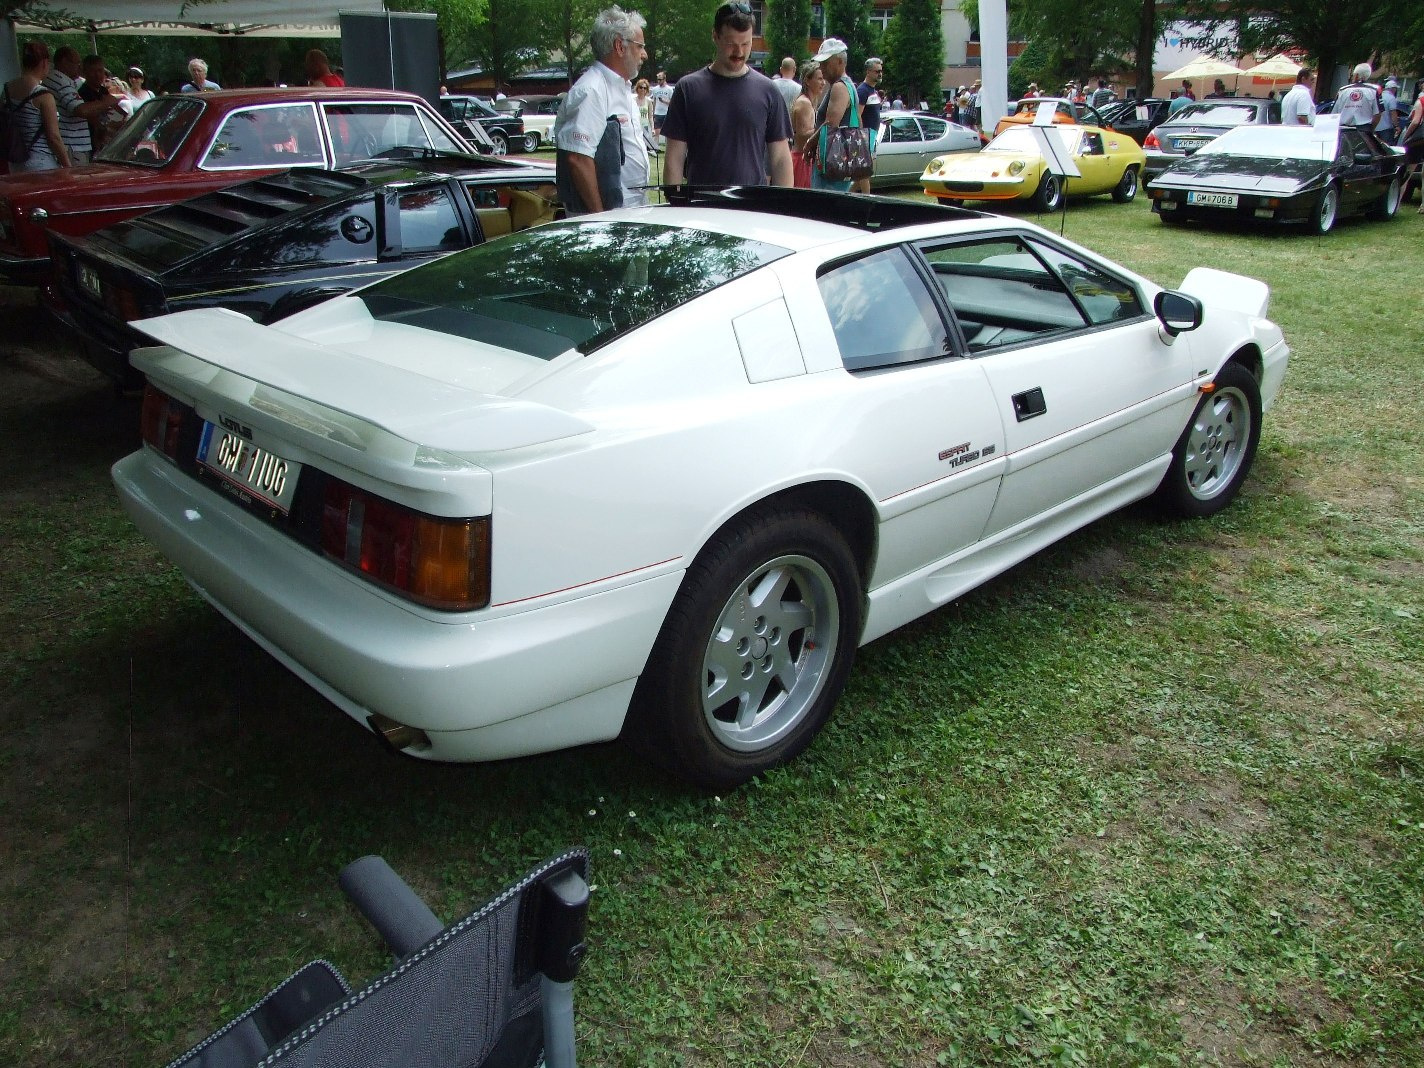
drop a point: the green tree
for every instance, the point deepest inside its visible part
(787, 25)
(679, 34)
(568, 26)
(1331, 34)
(914, 50)
(510, 38)
(850, 21)
(1075, 40)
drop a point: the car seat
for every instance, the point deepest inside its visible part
(494, 990)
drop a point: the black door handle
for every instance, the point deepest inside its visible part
(1029, 403)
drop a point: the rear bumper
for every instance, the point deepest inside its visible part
(484, 685)
(24, 270)
(110, 357)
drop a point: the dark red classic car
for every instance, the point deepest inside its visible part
(176, 147)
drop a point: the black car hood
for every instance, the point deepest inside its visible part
(1254, 174)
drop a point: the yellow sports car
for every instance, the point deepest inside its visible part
(1010, 167)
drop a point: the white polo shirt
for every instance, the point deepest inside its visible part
(599, 94)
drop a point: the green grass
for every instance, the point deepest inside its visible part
(1156, 797)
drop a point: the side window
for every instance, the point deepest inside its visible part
(1104, 298)
(504, 209)
(881, 312)
(903, 129)
(428, 221)
(1092, 144)
(933, 128)
(1001, 292)
(266, 137)
(361, 131)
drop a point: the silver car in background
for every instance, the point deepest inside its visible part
(910, 139)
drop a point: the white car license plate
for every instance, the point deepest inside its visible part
(257, 472)
(89, 279)
(1190, 144)
(1212, 200)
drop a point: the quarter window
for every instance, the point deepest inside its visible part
(363, 131)
(882, 313)
(428, 222)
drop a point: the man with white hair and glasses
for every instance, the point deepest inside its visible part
(600, 159)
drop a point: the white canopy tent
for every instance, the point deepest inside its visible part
(220, 18)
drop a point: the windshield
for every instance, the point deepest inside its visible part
(1020, 140)
(156, 131)
(1274, 142)
(562, 286)
(1214, 114)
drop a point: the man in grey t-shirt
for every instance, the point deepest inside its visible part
(786, 83)
(727, 124)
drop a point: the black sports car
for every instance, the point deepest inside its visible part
(1196, 124)
(466, 112)
(1311, 174)
(1136, 118)
(272, 246)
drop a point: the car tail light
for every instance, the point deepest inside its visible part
(161, 421)
(443, 563)
(1150, 141)
(123, 303)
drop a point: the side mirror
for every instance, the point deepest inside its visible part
(1177, 312)
(1364, 158)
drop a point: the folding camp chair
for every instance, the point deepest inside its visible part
(494, 990)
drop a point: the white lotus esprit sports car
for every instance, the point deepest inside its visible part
(658, 472)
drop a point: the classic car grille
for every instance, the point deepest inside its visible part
(965, 187)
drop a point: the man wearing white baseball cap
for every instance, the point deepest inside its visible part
(836, 106)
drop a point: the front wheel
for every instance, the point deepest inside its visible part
(1214, 454)
(1323, 218)
(754, 652)
(531, 142)
(1126, 189)
(1049, 195)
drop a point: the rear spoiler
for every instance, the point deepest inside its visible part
(204, 343)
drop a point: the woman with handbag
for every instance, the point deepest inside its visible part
(839, 154)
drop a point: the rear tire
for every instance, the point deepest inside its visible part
(754, 651)
(1388, 204)
(1049, 194)
(1215, 452)
(1126, 189)
(501, 146)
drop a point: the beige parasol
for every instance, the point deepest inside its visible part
(1279, 68)
(1205, 67)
